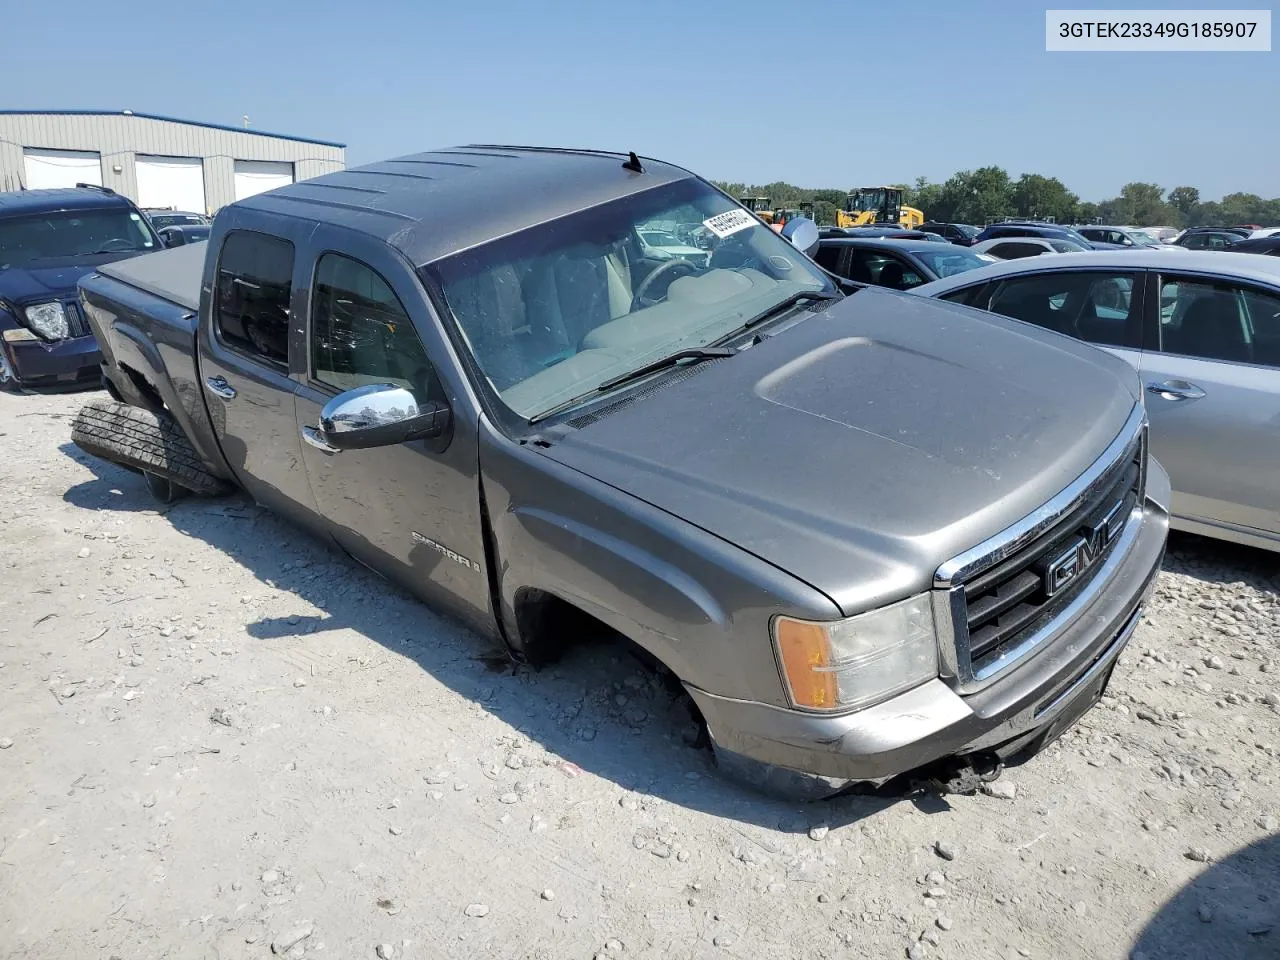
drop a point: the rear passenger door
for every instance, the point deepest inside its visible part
(411, 510)
(1212, 378)
(246, 359)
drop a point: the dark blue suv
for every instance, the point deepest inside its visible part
(49, 239)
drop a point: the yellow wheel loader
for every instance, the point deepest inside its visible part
(883, 205)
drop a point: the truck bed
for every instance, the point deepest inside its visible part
(145, 314)
(173, 275)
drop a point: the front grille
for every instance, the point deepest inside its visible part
(1006, 601)
(77, 324)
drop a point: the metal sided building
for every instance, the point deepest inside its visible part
(155, 161)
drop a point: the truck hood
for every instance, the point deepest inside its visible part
(864, 446)
(54, 281)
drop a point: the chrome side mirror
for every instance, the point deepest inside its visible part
(379, 415)
(803, 234)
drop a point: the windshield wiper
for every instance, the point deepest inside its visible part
(696, 353)
(791, 301)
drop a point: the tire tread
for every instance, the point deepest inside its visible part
(140, 440)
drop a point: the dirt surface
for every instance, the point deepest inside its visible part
(219, 738)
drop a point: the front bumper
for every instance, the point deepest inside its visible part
(64, 362)
(803, 754)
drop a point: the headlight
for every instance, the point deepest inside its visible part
(846, 664)
(49, 320)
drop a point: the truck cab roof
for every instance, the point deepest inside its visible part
(429, 205)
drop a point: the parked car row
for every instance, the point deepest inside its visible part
(1203, 332)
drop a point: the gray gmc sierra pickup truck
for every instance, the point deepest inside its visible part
(871, 534)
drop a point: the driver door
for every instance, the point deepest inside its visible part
(410, 510)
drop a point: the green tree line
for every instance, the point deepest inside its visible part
(989, 193)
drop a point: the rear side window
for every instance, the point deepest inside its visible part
(361, 333)
(1016, 250)
(252, 296)
(965, 295)
(1100, 307)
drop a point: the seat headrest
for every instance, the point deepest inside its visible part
(1211, 328)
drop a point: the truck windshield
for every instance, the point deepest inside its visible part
(554, 311)
(68, 234)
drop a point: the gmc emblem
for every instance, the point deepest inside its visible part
(1084, 551)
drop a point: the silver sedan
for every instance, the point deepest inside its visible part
(1202, 328)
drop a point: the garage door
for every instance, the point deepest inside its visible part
(176, 182)
(60, 168)
(257, 176)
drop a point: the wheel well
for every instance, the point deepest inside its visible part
(547, 626)
(141, 387)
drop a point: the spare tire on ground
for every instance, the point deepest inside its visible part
(152, 445)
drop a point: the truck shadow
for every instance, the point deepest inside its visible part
(1231, 911)
(598, 707)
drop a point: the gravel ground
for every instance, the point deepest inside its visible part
(219, 738)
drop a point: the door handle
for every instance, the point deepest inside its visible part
(220, 387)
(316, 439)
(1175, 390)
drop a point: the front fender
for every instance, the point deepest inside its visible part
(698, 604)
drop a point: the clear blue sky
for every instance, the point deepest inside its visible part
(821, 94)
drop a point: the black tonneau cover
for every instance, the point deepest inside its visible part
(173, 275)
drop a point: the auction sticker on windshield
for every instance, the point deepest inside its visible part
(730, 222)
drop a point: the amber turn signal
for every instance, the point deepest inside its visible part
(806, 663)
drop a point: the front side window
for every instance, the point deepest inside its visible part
(361, 333)
(552, 312)
(1219, 321)
(255, 272)
(63, 235)
(1099, 307)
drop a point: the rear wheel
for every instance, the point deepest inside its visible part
(152, 445)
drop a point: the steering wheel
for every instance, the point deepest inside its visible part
(640, 300)
(121, 244)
